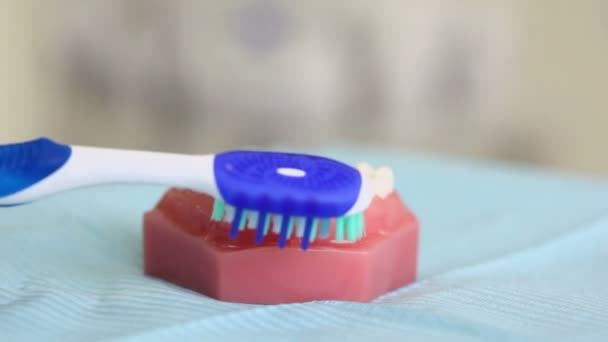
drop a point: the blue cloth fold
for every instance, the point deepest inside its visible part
(506, 253)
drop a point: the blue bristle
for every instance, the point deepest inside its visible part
(234, 230)
(307, 231)
(259, 234)
(286, 225)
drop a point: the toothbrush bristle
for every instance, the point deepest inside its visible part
(347, 228)
(218, 210)
(228, 213)
(339, 229)
(252, 219)
(286, 226)
(307, 232)
(313, 234)
(261, 229)
(243, 221)
(267, 224)
(236, 222)
(300, 223)
(325, 226)
(354, 225)
(276, 224)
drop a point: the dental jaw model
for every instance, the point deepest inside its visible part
(184, 245)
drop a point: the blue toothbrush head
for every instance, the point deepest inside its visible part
(300, 189)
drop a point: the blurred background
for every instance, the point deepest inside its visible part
(523, 81)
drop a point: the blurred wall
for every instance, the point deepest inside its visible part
(19, 90)
(561, 92)
(534, 89)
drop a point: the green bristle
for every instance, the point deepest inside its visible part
(290, 225)
(351, 228)
(218, 210)
(300, 223)
(325, 225)
(339, 228)
(313, 231)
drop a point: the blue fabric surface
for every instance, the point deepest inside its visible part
(506, 254)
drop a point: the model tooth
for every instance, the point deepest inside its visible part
(365, 169)
(384, 181)
(381, 179)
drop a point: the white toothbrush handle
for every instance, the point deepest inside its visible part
(89, 166)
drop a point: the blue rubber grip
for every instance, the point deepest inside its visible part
(25, 164)
(321, 187)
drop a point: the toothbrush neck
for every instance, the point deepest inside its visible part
(95, 166)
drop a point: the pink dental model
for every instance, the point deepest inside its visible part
(184, 246)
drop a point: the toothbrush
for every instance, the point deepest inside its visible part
(291, 190)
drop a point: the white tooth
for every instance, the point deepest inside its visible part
(365, 169)
(382, 179)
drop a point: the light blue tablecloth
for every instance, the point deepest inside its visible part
(506, 254)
